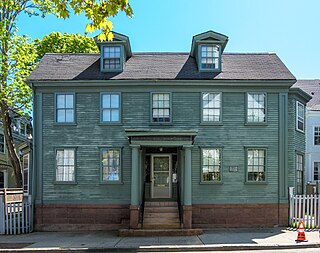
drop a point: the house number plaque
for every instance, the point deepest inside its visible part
(233, 168)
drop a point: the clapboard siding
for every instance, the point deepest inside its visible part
(88, 135)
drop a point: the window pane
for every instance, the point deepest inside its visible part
(61, 115)
(106, 101)
(69, 101)
(61, 101)
(115, 101)
(69, 115)
(106, 115)
(114, 115)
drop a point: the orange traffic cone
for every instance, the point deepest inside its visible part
(301, 235)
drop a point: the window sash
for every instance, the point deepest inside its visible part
(25, 168)
(317, 135)
(316, 168)
(210, 55)
(211, 107)
(110, 107)
(65, 165)
(211, 165)
(161, 111)
(64, 108)
(256, 107)
(111, 166)
(256, 165)
(112, 57)
(300, 116)
(2, 143)
(299, 174)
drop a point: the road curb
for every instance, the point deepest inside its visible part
(237, 247)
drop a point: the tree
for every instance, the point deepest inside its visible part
(18, 57)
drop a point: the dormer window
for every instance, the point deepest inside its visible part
(207, 49)
(210, 57)
(112, 58)
(115, 53)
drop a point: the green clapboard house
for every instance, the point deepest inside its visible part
(129, 140)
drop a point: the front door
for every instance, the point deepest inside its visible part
(161, 176)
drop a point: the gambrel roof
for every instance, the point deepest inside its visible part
(312, 87)
(160, 66)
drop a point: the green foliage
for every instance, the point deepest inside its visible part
(56, 42)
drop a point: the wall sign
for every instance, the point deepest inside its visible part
(233, 168)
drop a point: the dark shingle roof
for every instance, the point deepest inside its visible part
(161, 66)
(312, 87)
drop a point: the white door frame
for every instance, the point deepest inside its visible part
(152, 173)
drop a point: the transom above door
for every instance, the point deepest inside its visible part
(161, 186)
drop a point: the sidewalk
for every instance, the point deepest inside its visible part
(213, 239)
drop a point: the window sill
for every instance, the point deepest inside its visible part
(161, 124)
(111, 183)
(64, 183)
(211, 124)
(256, 124)
(109, 124)
(64, 124)
(211, 183)
(300, 131)
(256, 183)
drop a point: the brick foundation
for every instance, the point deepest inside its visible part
(240, 215)
(81, 217)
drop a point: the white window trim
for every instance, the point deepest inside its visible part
(170, 109)
(313, 163)
(28, 186)
(265, 109)
(105, 181)
(297, 117)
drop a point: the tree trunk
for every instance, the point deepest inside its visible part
(12, 153)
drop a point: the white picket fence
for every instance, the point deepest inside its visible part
(16, 216)
(305, 208)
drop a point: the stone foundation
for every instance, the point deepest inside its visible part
(240, 215)
(81, 217)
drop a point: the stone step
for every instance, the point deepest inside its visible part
(162, 209)
(161, 203)
(161, 215)
(158, 220)
(161, 226)
(160, 232)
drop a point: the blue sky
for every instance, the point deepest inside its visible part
(291, 28)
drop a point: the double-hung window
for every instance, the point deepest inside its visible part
(25, 167)
(65, 108)
(111, 58)
(316, 168)
(299, 173)
(317, 135)
(65, 165)
(211, 107)
(110, 107)
(300, 116)
(256, 107)
(2, 145)
(110, 165)
(209, 57)
(161, 111)
(211, 165)
(256, 165)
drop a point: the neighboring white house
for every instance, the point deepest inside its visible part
(312, 87)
